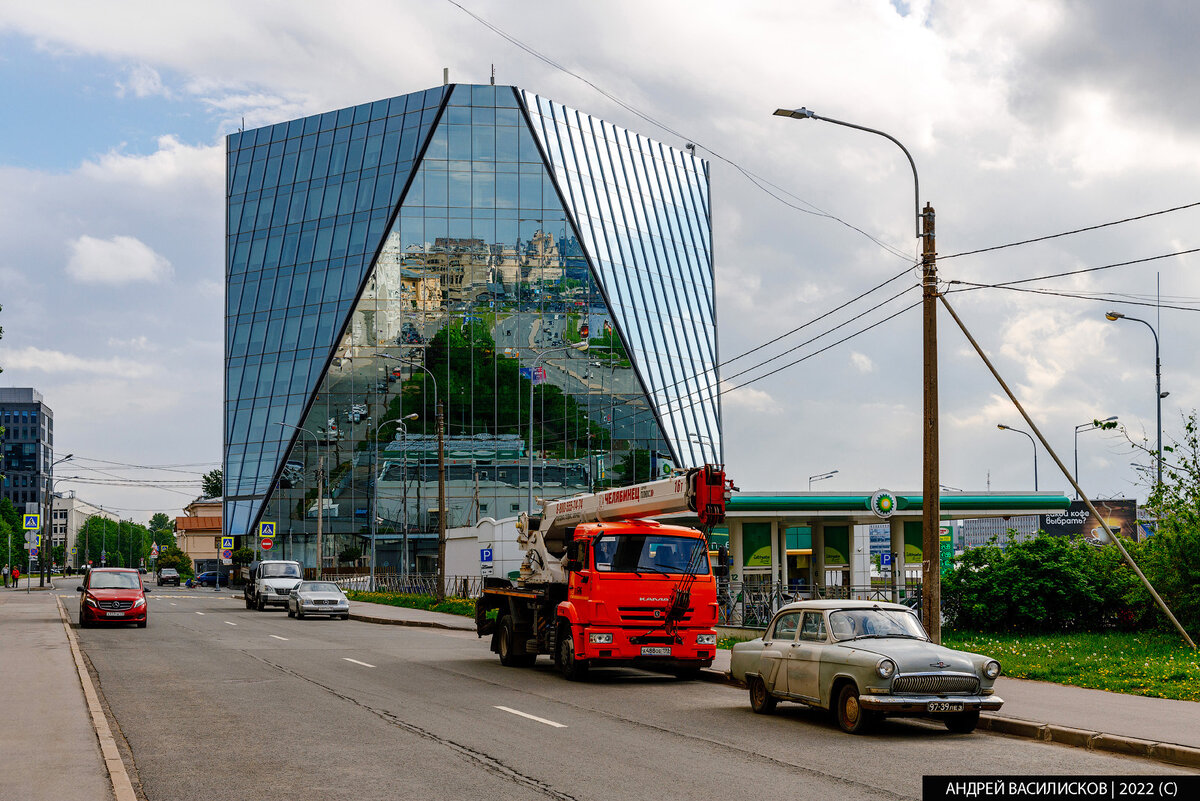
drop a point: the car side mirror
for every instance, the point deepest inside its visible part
(79, 588)
(145, 589)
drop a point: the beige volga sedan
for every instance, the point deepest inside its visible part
(863, 660)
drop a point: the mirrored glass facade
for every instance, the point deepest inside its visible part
(470, 280)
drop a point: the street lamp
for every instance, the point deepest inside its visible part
(48, 538)
(930, 494)
(820, 477)
(1158, 393)
(1003, 427)
(375, 486)
(583, 346)
(441, 434)
(320, 499)
(1094, 424)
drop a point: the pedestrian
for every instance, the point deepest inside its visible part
(16, 574)
(6, 572)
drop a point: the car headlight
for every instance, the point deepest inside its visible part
(991, 669)
(91, 601)
(139, 602)
(706, 639)
(886, 668)
(600, 639)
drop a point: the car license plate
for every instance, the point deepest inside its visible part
(945, 706)
(115, 614)
(656, 650)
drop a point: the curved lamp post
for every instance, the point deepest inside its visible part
(1003, 427)
(532, 385)
(375, 485)
(820, 477)
(320, 500)
(930, 493)
(1158, 393)
(1090, 426)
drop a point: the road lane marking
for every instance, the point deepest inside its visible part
(532, 717)
(227, 623)
(355, 661)
(199, 613)
(276, 636)
(173, 603)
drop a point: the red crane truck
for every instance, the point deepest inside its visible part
(601, 584)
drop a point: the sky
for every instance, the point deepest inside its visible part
(1024, 120)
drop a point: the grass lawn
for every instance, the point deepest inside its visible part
(1155, 664)
(451, 606)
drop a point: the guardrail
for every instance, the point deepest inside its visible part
(752, 605)
(411, 584)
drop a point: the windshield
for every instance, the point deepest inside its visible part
(651, 553)
(851, 624)
(279, 570)
(114, 581)
(319, 586)
(169, 571)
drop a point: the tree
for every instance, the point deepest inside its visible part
(58, 554)
(171, 556)
(213, 483)
(349, 554)
(243, 556)
(10, 524)
(162, 529)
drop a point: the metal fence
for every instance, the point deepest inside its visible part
(752, 605)
(411, 584)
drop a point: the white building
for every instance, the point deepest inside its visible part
(67, 517)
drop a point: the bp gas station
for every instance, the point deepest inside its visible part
(814, 543)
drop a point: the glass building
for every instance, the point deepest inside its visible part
(545, 275)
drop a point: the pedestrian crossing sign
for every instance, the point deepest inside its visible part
(266, 530)
(33, 522)
(226, 543)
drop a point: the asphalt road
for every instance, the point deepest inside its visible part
(217, 701)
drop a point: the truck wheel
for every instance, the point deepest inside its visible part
(511, 654)
(963, 722)
(249, 604)
(761, 701)
(262, 603)
(851, 717)
(571, 668)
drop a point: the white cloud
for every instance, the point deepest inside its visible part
(748, 399)
(142, 81)
(55, 361)
(862, 362)
(173, 162)
(119, 260)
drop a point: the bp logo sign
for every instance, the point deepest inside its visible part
(883, 503)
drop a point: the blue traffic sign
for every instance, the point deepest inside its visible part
(266, 529)
(485, 555)
(32, 522)
(885, 559)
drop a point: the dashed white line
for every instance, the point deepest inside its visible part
(276, 636)
(355, 661)
(227, 623)
(173, 603)
(199, 613)
(532, 717)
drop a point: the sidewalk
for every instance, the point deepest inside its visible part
(1158, 728)
(49, 744)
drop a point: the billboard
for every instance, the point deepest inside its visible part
(1119, 514)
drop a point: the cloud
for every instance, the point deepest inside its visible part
(119, 260)
(752, 400)
(142, 81)
(862, 362)
(173, 162)
(55, 361)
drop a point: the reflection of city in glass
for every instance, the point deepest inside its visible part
(480, 292)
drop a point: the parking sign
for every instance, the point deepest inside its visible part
(485, 555)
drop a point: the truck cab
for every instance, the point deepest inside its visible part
(270, 582)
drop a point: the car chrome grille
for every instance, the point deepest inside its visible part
(645, 614)
(116, 605)
(323, 601)
(282, 590)
(936, 684)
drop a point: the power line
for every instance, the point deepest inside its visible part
(1097, 269)
(970, 286)
(758, 181)
(1069, 233)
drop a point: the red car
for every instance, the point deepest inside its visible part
(113, 595)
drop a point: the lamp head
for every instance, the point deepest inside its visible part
(1113, 315)
(412, 416)
(1112, 419)
(799, 113)
(1001, 426)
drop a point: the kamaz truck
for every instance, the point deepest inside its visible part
(601, 584)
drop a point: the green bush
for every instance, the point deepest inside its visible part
(451, 606)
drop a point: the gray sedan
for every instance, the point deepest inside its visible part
(863, 660)
(318, 598)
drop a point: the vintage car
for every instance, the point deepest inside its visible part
(863, 660)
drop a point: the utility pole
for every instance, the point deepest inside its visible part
(931, 506)
(441, 434)
(320, 512)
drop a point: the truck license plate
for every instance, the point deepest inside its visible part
(115, 614)
(656, 650)
(945, 706)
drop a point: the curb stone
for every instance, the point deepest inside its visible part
(387, 621)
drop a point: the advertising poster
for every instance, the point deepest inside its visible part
(1120, 515)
